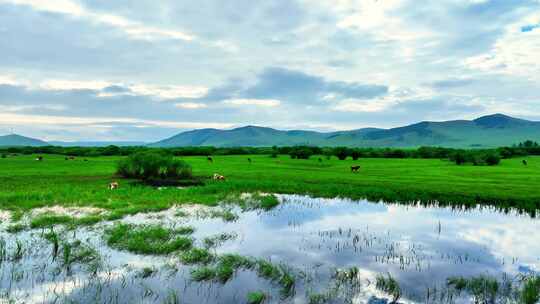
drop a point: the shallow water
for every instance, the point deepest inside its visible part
(420, 247)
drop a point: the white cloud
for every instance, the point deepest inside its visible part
(253, 102)
(170, 91)
(516, 53)
(133, 29)
(161, 92)
(190, 105)
(64, 85)
(8, 80)
(395, 96)
(21, 108)
(50, 120)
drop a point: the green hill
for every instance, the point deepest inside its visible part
(15, 140)
(488, 131)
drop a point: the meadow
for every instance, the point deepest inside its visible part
(265, 248)
(27, 184)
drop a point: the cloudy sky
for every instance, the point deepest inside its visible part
(146, 69)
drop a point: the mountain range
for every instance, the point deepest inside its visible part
(487, 131)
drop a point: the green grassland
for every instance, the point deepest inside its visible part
(26, 183)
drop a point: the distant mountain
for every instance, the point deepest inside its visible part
(15, 140)
(487, 131)
(97, 143)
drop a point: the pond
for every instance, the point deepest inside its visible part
(333, 248)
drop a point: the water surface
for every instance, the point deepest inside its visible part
(420, 247)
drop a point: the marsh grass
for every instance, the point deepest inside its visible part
(218, 240)
(146, 272)
(530, 293)
(256, 297)
(390, 286)
(148, 239)
(16, 228)
(196, 256)
(49, 220)
(203, 274)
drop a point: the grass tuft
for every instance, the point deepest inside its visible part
(256, 297)
(147, 239)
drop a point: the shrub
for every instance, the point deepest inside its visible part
(153, 165)
(355, 154)
(492, 159)
(459, 158)
(301, 152)
(341, 152)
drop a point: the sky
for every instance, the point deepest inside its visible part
(145, 70)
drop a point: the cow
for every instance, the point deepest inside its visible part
(113, 186)
(210, 160)
(72, 157)
(39, 158)
(218, 177)
(65, 158)
(355, 168)
(524, 162)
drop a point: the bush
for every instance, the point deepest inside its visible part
(302, 152)
(492, 159)
(153, 165)
(342, 152)
(355, 154)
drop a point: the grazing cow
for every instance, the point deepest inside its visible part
(72, 157)
(113, 186)
(524, 162)
(218, 177)
(355, 168)
(210, 159)
(39, 158)
(249, 160)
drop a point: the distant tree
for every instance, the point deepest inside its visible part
(356, 154)
(459, 158)
(301, 152)
(492, 159)
(341, 152)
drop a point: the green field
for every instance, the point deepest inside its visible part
(26, 183)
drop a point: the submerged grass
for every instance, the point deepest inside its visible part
(147, 239)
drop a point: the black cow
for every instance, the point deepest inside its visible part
(210, 159)
(355, 168)
(524, 162)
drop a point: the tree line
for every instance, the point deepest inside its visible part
(459, 156)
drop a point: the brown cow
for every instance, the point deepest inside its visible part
(113, 186)
(355, 168)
